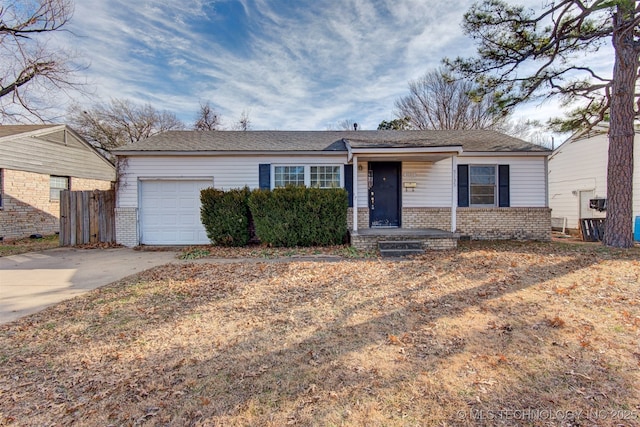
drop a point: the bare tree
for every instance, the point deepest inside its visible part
(207, 119)
(28, 69)
(346, 124)
(120, 122)
(436, 101)
(244, 122)
(529, 130)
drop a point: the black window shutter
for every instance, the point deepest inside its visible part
(348, 182)
(503, 186)
(264, 176)
(463, 186)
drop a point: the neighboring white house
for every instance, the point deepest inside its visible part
(478, 183)
(578, 173)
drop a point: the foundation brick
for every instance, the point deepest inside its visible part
(127, 226)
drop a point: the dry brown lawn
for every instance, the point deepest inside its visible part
(490, 334)
(21, 246)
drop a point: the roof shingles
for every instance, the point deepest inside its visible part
(325, 141)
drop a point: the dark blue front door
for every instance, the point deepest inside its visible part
(384, 194)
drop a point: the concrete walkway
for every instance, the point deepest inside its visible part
(32, 281)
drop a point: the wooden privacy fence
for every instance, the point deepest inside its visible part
(87, 217)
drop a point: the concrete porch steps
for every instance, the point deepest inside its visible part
(402, 248)
(399, 242)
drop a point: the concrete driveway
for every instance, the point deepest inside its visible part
(32, 281)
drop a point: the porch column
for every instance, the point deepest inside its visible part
(454, 192)
(355, 193)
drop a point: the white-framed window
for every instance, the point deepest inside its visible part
(288, 175)
(316, 176)
(325, 177)
(482, 185)
(56, 185)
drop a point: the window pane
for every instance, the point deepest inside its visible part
(483, 175)
(57, 184)
(289, 175)
(482, 185)
(325, 176)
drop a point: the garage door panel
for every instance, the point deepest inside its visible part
(170, 212)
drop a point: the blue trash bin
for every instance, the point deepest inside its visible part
(636, 233)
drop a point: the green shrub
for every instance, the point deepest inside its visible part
(298, 216)
(225, 216)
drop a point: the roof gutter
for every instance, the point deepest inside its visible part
(225, 153)
(507, 153)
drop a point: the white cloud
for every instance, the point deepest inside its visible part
(293, 65)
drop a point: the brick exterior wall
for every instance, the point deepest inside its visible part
(83, 184)
(505, 223)
(369, 243)
(127, 226)
(26, 208)
(439, 218)
(477, 223)
(363, 218)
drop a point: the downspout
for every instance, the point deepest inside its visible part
(454, 192)
(546, 182)
(355, 194)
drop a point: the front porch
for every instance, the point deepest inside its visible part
(396, 240)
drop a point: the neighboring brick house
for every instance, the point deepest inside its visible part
(476, 183)
(36, 163)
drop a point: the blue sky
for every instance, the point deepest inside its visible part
(288, 64)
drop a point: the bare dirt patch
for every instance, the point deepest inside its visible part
(490, 334)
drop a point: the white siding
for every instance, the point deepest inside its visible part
(527, 178)
(433, 184)
(579, 165)
(363, 188)
(582, 165)
(226, 171)
(433, 180)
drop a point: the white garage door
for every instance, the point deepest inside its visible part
(170, 212)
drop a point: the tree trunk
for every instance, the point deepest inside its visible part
(619, 231)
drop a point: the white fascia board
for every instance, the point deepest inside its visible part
(506, 154)
(457, 149)
(412, 150)
(227, 153)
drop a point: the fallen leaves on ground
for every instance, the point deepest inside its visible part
(20, 246)
(465, 337)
